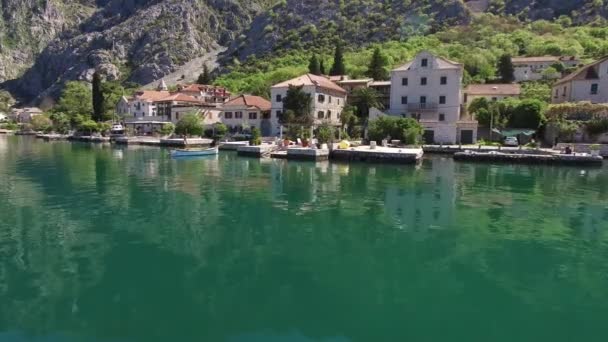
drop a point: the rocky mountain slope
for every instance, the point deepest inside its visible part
(27, 26)
(315, 24)
(143, 40)
(137, 41)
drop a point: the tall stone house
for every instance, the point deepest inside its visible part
(327, 99)
(589, 83)
(429, 89)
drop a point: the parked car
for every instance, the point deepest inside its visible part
(511, 141)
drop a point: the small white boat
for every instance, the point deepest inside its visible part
(117, 129)
(194, 152)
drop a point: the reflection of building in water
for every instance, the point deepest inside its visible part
(425, 203)
(304, 185)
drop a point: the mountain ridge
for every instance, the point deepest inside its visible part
(140, 41)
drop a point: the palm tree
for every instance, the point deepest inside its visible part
(365, 99)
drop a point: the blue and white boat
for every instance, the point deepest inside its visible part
(194, 152)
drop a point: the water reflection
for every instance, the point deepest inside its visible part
(144, 247)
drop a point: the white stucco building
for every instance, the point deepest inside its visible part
(246, 112)
(429, 89)
(327, 99)
(589, 83)
(533, 68)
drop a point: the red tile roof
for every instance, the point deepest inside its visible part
(493, 89)
(150, 95)
(178, 97)
(310, 79)
(250, 101)
(202, 87)
(537, 59)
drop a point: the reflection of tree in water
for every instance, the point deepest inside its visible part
(208, 249)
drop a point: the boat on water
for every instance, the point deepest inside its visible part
(194, 152)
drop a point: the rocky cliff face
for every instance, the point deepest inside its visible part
(27, 26)
(137, 41)
(143, 40)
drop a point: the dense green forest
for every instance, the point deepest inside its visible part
(477, 45)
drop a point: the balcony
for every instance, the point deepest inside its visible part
(422, 107)
(132, 119)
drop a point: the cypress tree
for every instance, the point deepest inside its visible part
(98, 99)
(204, 78)
(505, 69)
(314, 67)
(322, 67)
(377, 69)
(338, 67)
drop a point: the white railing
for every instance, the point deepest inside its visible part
(132, 119)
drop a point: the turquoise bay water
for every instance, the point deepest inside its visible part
(110, 244)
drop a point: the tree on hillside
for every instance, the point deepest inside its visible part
(313, 66)
(338, 67)
(298, 102)
(505, 69)
(365, 99)
(204, 77)
(112, 92)
(97, 98)
(377, 66)
(75, 100)
(322, 66)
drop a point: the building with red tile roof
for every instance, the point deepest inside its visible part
(245, 112)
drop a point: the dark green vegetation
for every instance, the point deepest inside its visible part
(527, 113)
(104, 244)
(81, 105)
(478, 45)
(570, 118)
(189, 125)
(407, 130)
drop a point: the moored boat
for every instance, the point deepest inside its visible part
(194, 152)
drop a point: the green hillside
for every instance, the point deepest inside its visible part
(477, 45)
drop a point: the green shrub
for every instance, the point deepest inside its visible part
(256, 137)
(408, 130)
(325, 133)
(597, 126)
(189, 125)
(61, 123)
(220, 130)
(167, 129)
(89, 126)
(11, 126)
(41, 123)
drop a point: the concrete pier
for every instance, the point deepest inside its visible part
(303, 153)
(256, 151)
(153, 141)
(52, 137)
(379, 155)
(232, 145)
(515, 158)
(89, 139)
